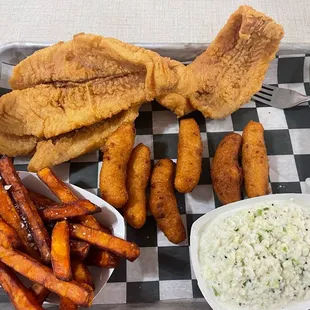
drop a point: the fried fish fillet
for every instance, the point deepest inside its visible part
(83, 81)
(233, 67)
(55, 151)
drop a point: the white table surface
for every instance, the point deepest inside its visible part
(145, 21)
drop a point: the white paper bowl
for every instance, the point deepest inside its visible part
(225, 211)
(108, 217)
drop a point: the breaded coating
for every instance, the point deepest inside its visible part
(233, 67)
(189, 156)
(163, 203)
(254, 160)
(76, 143)
(116, 154)
(138, 174)
(226, 173)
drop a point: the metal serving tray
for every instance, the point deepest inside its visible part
(12, 53)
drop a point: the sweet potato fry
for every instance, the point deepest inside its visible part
(36, 272)
(64, 194)
(163, 203)
(8, 236)
(20, 297)
(79, 249)
(226, 173)
(101, 259)
(138, 174)
(60, 251)
(254, 160)
(116, 154)
(81, 273)
(90, 221)
(10, 215)
(189, 161)
(56, 185)
(67, 304)
(26, 208)
(40, 292)
(40, 201)
(104, 241)
(69, 210)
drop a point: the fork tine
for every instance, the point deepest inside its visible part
(260, 100)
(266, 90)
(262, 95)
(269, 86)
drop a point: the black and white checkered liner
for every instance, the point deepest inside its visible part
(163, 271)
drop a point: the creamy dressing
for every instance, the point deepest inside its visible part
(258, 258)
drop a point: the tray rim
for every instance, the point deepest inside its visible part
(165, 48)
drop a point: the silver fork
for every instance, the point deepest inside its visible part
(280, 98)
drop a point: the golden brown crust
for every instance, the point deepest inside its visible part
(138, 174)
(189, 161)
(36, 272)
(76, 143)
(104, 241)
(255, 161)
(116, 154)
(163, 204)
(60, 251)
(26, 208)
(226, 172)
(233, 67)
(20, 297)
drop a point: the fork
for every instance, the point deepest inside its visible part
(280, 98)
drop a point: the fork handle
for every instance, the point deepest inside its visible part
(305, 99)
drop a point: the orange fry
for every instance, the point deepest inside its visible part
(69, 210)
(10, 215)
(40, 292)
(60, 251)
(36, 272)
(104, 241)
(81, 273)
(8, 236)
(39, 200)
(26, 208)
(67, 304)
(79, 249)
(20, 297)
(56, 185)
(103, 259)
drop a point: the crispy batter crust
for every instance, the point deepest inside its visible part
(138, 175)
(255, 161)
(163, 204)
(116, 154)
(226, 172)
(233, 67)
(189, 156)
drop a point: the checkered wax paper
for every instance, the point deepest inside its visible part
(163, 270)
